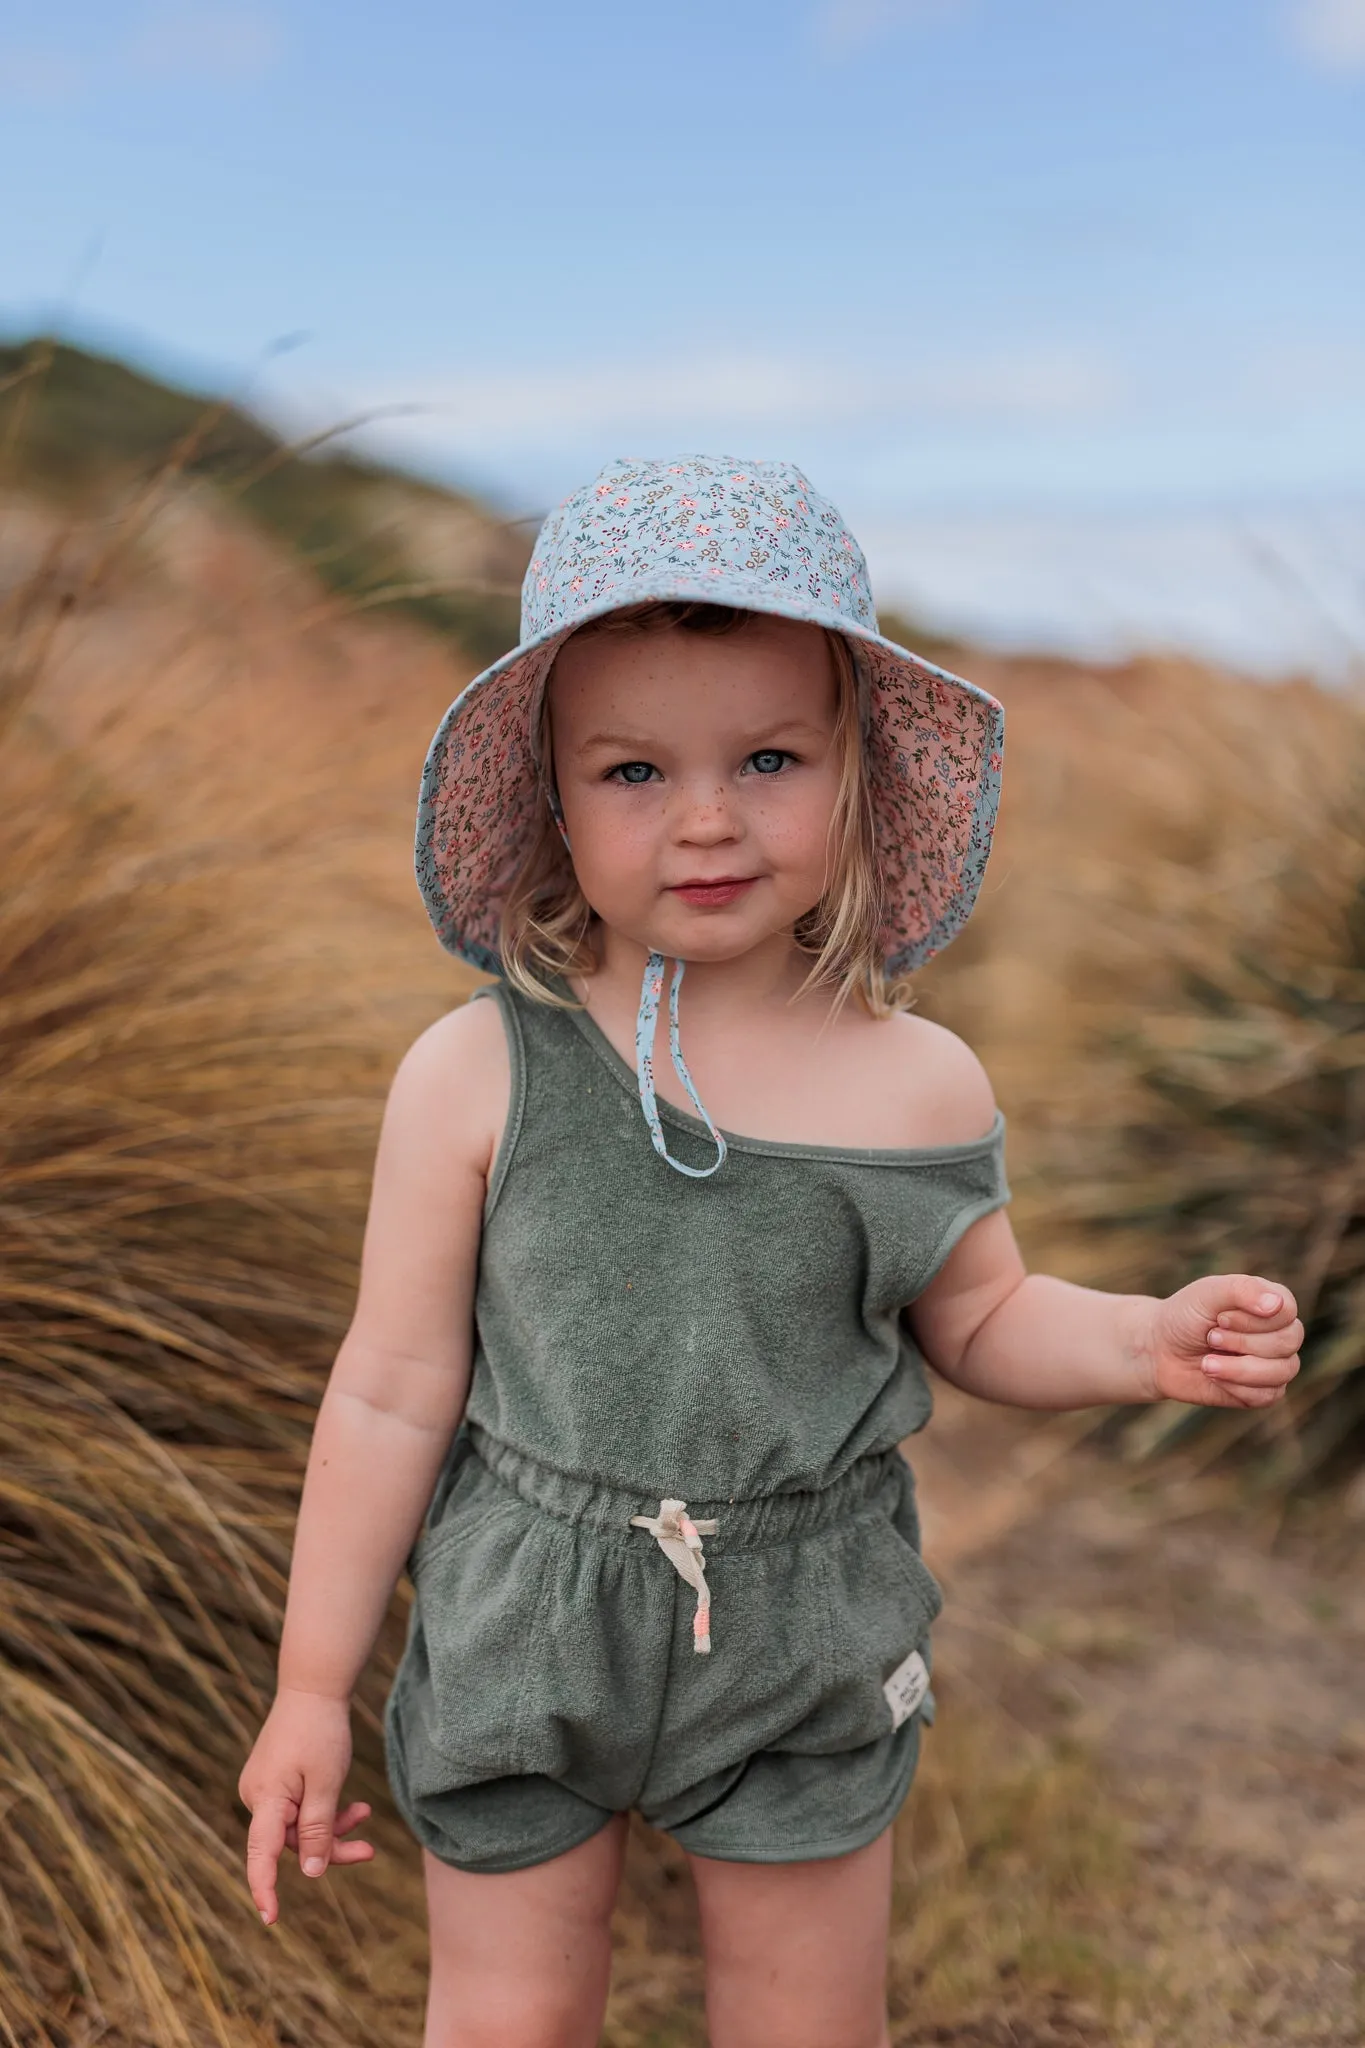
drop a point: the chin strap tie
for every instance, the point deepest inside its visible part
(679, 1538)
(646, 1024)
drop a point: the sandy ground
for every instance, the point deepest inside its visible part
(1182, 1672)
(1210, 1656)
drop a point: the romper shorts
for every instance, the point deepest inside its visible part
(549, 1679)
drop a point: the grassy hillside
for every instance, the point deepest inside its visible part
(211, 955)
(80, 430)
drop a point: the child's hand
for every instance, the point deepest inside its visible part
(1230, 1341)
(292, 1781)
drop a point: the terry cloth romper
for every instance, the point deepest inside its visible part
(732, 1343)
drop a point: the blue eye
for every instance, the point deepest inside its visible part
(634, 772)
(768, 761)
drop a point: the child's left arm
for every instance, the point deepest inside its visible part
(1229, 1341)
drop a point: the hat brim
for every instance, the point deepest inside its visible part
(934, 744)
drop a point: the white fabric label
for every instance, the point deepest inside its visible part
(906, 1687)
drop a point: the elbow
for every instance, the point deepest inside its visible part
(962, 1356)
(423, 1390)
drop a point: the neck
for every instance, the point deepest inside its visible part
(769, 974)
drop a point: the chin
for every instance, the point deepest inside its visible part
(707, 941)
(711, 947)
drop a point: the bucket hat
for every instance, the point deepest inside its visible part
(718, 530)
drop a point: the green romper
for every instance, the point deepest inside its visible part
(646, 1341)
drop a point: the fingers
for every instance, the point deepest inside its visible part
(1218, 1394)
(1252, 1304)
(1253, 1370)
(343, 1852)
(1250, 1336)
(264, 1843)
(1231, 1345)
(315, 1826)
(352, 1852)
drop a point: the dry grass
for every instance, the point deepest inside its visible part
(177, 1204)
(187, 1103)
(1011, 1862)
(1242, 1146)
(1169, 984)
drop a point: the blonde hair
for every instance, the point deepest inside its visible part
(547, 924)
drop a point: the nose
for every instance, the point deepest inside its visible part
(704, 815)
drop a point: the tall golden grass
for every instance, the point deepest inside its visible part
(1168, 980)
(210, 954)
(187, 1103)
(1241, 1143)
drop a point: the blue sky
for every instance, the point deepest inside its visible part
(1058, 299)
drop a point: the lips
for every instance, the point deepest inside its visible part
(713, 895)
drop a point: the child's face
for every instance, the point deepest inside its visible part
(698, 778)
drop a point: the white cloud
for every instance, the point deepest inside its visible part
(1059, 383)
(186, 39)
(1268, 593)
(842, 26)
(1329, 32)
(752, 394)
(1309, 372)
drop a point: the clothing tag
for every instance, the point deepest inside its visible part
(906, 1687)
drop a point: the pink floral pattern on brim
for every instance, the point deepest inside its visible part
(721, 531)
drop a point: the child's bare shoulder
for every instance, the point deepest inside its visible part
(940, 1091)
(465, 1045)
(455, 1078)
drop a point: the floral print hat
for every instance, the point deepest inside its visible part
(716, 530)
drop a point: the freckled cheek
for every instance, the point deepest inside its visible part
(794, 835)
(614, 850)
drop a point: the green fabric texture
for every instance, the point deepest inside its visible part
(735, 1343)
(722, 1338)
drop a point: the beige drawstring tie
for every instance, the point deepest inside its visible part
(679, 1538)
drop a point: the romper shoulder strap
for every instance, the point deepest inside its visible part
(555, 1082)
(498, 993)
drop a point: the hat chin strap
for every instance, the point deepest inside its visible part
(646, 1024)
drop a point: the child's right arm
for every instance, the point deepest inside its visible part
(393, 1401)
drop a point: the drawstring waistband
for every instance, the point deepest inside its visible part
(679, 1538)
(879, 1482)
(645, 1026)
(753, 1522)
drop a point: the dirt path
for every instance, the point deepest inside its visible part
(1141, 1817)
(1213, 1664)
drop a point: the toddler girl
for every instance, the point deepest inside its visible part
(638, 1337)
